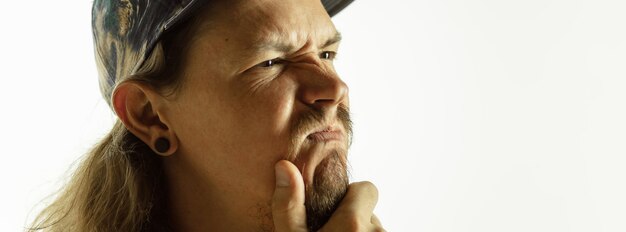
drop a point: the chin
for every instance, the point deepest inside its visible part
(325, 192)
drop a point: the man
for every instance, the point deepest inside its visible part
(232, 118)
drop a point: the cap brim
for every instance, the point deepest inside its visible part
(335, 6)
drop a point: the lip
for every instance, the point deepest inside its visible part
(325, 135)
(318, 142)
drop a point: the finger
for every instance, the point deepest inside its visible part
(375, 221)
(288, 208)
(360, 200)
(377, 225)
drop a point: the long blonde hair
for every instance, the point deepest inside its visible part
(116, 187)
(119, 185)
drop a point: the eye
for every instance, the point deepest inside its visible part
(270, 63)
(328, 55)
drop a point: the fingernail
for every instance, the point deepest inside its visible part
(282, 177)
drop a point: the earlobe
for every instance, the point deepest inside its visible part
(135, 105)
(165, 146)
(162, 145)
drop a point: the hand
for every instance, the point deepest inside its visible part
(355, 212)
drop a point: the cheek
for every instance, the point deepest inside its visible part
(269, 116)
(235, 136)
(231, 124)
(197, 120)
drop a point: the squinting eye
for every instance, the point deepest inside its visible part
(269, 63)
(328, 55)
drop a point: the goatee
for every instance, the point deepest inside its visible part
(322, 197)
(330, 179)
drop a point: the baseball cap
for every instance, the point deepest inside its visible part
(126, 31)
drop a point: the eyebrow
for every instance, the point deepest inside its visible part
(275, 44)
(333, 40)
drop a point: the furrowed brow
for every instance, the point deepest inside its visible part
(275, 44)
(333, 40)
(272, 43)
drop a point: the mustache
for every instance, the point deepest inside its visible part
(316, 118)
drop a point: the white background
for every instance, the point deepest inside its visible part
(482, 115)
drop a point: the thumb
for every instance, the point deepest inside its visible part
(288, 202)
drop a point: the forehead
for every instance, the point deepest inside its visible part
(251, 22)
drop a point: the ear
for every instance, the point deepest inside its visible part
(138, 106)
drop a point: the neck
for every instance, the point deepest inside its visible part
(196, 203)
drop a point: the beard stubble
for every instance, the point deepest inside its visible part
(330, 180)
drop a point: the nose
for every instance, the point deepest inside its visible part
(323, 89)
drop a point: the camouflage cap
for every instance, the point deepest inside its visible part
(126, 31)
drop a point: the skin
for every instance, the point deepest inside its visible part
(231, 122)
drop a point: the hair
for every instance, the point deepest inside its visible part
(119, 184)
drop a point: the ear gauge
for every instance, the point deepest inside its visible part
(162, 145)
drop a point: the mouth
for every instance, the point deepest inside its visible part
(325, 135)
(318, 145)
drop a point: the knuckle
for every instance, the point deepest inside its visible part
(378, 228)
(366, 187)
(351, 222)
(355, 226)
(346, 215)
(282, 207)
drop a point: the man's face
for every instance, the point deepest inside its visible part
(259, 86)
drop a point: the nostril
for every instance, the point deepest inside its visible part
(324, 89)
(323, 103)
